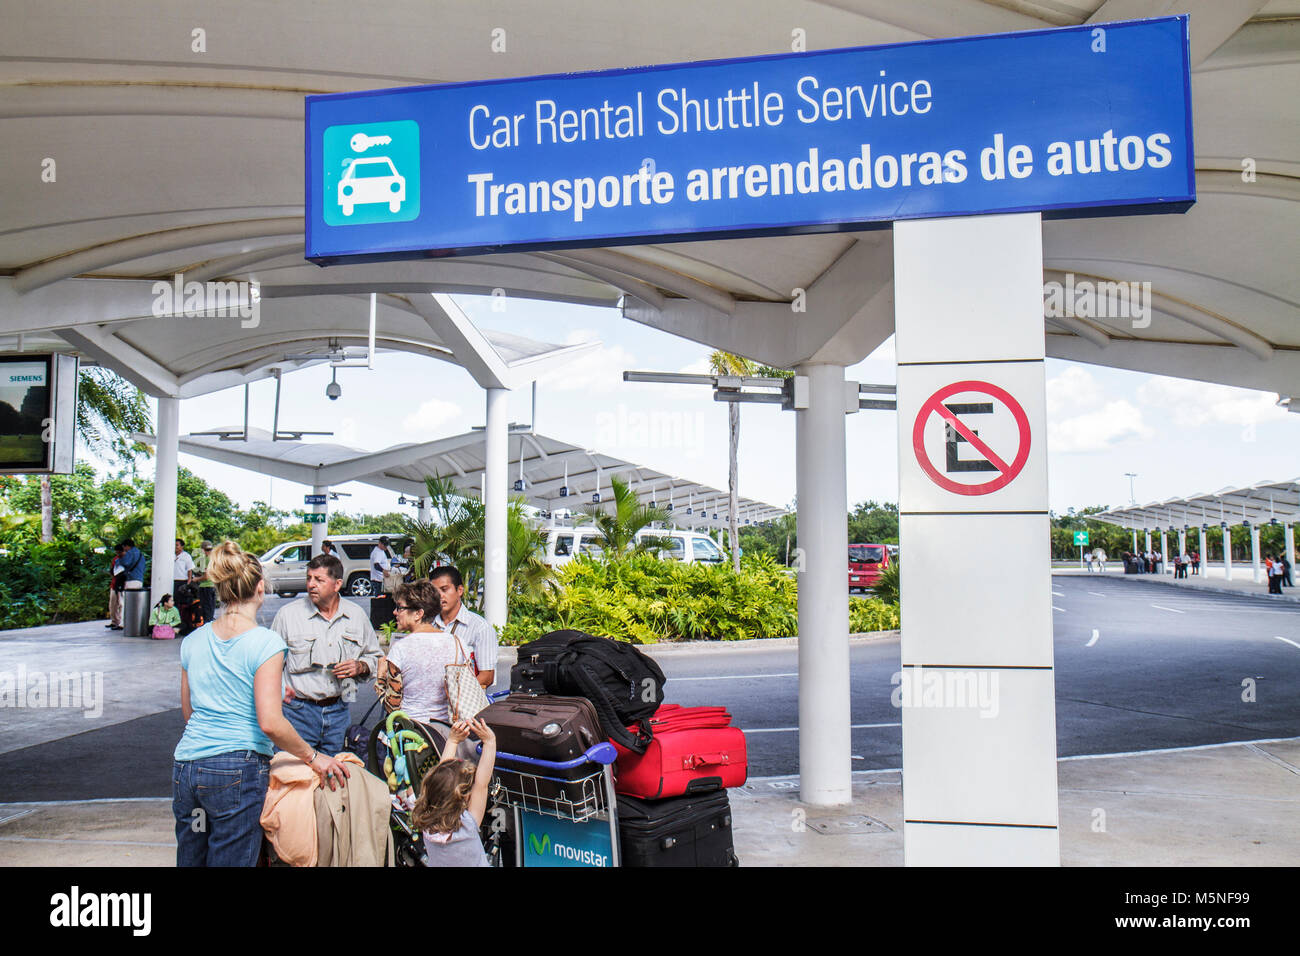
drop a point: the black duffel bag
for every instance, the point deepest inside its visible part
(624, 685)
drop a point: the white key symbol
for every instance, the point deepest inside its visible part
(361, 142)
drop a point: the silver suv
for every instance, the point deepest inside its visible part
(286, 564)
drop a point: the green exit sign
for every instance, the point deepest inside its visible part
(1081, 537)
(312, 517)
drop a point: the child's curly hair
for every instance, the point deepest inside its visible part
(444, 794)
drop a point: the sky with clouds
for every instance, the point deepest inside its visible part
(1179, 437)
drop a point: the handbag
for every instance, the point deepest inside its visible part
(465, 695)
(357, 738)
(163, 632)
(393, 580)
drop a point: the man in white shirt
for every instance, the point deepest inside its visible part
(182, 567)
(478, 636)
(381, 560)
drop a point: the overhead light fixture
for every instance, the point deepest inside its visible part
(519, 484)
(333, 390)
(401, 499)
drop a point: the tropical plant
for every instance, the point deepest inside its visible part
(724, 363)
(886, 587)
(872, 614)
(618, 527)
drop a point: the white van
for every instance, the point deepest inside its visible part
(285, 565)
(563, 544)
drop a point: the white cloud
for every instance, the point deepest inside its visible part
(1197, 403)
(597, 370)
(699, 367)
(1073, 389)
(1109, 425)
(429, 418)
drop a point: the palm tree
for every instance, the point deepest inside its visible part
(109, 410)
(724, 363)
(618, 528)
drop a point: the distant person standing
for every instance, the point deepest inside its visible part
(381, 604)
(1273, 568)
(116, 581)
(327, 547)
(207, 590)
(182, 567)
(1184, 560)
(133, 564)
(1099, 558)
(1196, 562)
(1286, 570)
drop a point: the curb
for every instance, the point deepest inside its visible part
(1205, 588)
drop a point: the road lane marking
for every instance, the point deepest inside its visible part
(1163, 608)
(1096, 593)
(1058, 593)
(1289, 641)
(1095, 634)
(1055, 608)
(679, 680)
(791, 730)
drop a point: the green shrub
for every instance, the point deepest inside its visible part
(644, 600)
(51, 583)
(872, 614)
(886, 586)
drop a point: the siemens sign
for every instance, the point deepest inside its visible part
(1088, 120)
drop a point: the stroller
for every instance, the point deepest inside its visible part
(187, 602)
(401, 751)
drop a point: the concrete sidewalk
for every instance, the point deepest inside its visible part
(1211, 579)
(1222, 805)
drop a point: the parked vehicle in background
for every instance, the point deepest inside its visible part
(286, 564)
(866, 561)
(564, 544)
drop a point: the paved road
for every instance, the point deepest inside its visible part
(1165, 670)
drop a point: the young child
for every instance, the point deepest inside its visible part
(453, 799)
(164, 620)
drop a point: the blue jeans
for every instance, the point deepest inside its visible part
(217, 802)
(321, 727)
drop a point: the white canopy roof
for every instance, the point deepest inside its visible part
(546, 461)
(1257, 504)
(175, 156)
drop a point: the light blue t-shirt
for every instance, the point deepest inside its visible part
(220, 675)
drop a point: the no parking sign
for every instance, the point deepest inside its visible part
(982, 416)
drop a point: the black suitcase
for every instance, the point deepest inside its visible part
(690, 830)
(555, 729)
(528, 677)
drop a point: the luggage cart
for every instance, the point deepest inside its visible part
(560, 821)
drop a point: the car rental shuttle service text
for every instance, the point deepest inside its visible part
(806, 142)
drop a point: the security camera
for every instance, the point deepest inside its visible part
(333, 390)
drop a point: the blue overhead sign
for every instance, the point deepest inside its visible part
(1091, 120)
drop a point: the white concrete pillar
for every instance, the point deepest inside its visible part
(1147, 536)
(496, 436)
(1182, 542)
(320, 530)
(979, 780)
(1164, 553)
(1288, 537)
(425, 514)
(1226, 534)
(164, 498)
(1256, 569)
(821, 481)
(1135, 540)
(1205, 555)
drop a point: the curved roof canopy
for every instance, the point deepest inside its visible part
(1257, 504)
(181, 151)
(548, 467)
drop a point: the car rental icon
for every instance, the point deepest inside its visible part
(371, 179)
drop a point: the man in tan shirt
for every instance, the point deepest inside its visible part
(331, 646)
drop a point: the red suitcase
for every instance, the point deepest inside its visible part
(694, 749)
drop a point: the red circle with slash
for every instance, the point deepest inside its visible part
(1007, 471)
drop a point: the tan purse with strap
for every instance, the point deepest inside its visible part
(465, 695)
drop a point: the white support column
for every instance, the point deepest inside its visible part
(1288, 537)
(1135, 540)
(496, 435)
(425, 514)
(164, 497)
(979, 768)
(320, 530)
(1256, 568)
(1205, 555)
(1227, 553)
(1164, 553)
(1147, 533)
(821, 481)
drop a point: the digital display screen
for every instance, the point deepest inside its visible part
(25, 391)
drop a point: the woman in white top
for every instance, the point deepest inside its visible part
(420, 659)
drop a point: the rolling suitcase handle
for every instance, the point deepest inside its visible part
(601, 753)
(695, 761)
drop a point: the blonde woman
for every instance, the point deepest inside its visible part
(230, 697)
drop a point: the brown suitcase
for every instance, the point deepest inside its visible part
(554, 729)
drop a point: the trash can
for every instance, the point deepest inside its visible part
(135, 613)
